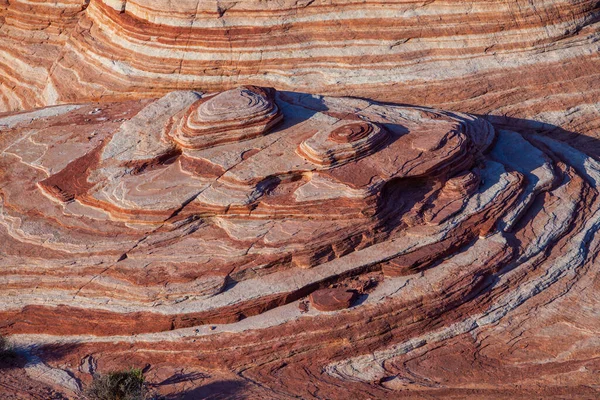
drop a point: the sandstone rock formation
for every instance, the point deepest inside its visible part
(517, 58)
(332, 299)
(441, 254)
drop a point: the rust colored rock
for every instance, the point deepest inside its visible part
(332, 299)
(162, 208)
(162, 233)
(73, 51)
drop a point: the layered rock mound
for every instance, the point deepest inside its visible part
(502, 57)
(274, 244)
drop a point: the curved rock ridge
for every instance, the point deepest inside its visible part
(505, 57)
(351, 244)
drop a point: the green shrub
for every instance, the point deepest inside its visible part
(119, 385)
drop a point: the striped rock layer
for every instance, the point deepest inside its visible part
(302, 246)
(537, 60)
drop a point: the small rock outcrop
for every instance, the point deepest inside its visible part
(332, 299)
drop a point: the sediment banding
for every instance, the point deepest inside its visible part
(338, 246)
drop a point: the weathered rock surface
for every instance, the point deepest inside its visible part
(332, 299)
(442, 255)
(511, 58)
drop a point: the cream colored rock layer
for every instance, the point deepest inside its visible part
(521, 59)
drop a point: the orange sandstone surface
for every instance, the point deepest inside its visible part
(512, 58)
(276, 244)
(306, 199)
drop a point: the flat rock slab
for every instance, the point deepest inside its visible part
(332, 299)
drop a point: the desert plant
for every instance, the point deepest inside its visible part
(119, 385)
(6, 350)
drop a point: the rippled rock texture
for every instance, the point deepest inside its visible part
(518, 58)
(271, 244)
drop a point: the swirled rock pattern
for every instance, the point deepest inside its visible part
(511, 58)
(231, 116)
(343, 141)
(298, 246)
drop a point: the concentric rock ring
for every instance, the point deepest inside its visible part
(351, 132)
(238, 114)
(342, 142)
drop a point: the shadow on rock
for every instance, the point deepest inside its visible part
(54, 351)
(179, 378)
(11, 360)
(220, 390)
